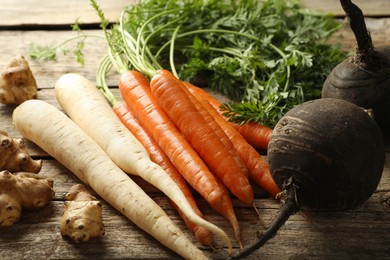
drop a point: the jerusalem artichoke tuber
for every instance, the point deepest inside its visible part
(82, 218)
(14, 156)
(22, 190)
(17, 82)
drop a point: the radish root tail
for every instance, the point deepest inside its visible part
(289, 208)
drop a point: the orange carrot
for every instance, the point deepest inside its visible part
(256, 134)
(135, 90)
(258, 167)
(217, 129)
(169, 92)
(158, 156)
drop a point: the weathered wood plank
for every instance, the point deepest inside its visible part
(318, 235)
(34, 13)
(379, 30)
(39, 230)
(369, 8)
(46, 73)
(361, 233)
(307, 234)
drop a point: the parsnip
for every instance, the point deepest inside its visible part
(60, 137)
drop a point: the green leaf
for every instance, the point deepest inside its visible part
(47, 53)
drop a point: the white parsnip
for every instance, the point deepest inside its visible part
(60, 137)
(78, 96)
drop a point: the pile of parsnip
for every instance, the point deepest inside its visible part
(165, 131)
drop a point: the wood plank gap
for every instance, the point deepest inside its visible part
(376, 16)
(50, 27)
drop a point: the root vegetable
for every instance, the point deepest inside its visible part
(255, 134)
(326, 154)
(79, 96)
(14, 156)
(22, 190)
(60, 137)
(158, 156)
(257, 166)
(364, 78)
(172, 98)
(82, 219)
(219, 132)
(17, 82)
(136, 92)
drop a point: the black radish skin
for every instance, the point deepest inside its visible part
(364, 78)
(326, 155)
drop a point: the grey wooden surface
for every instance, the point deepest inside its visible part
(363, 233)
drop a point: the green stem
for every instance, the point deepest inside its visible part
(155, 31)
(140, 40)
(77, 37)
(172, 52)
(105, 67)
(288, 75)
(131, 50)
(229, 51)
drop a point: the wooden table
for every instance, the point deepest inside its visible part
(363, 233)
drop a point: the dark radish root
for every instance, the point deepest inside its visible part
(331, 151)
(364, 78)
(326, 154)
(289, 207)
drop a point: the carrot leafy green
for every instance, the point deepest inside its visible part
(266, 56)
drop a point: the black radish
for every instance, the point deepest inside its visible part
(326, 155)
(364, 78)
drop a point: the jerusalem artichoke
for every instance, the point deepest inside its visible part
(17, 82)
(14, 156)
(82, 218)
(22, 190)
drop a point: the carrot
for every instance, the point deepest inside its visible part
(258, 167)
(217, 129)
(60, 137)
(169, 92)
(158, 156)
(136, 92)
(79, 97)
(256, 134)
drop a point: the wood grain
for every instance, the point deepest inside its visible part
(378, 8)
(19, 12)
(359, 234)
(46, 73)
(36, 12)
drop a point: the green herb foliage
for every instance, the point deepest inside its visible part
(50, 53)
(266, 56)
